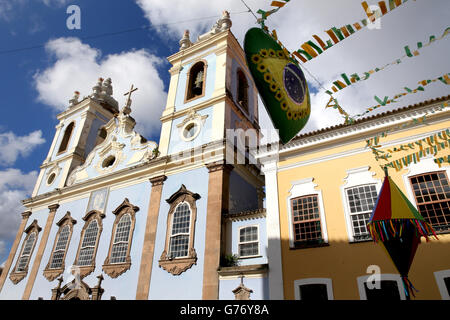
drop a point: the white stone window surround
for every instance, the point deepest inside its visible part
(356, 177)
(245, 242)
(300, 282)
(305, 187)
(440, 276)
(383, 276)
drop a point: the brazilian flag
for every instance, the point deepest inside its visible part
(280, 82)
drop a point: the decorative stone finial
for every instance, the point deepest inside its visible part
(74, 99)
(103, 91)
(185, 42)
(107, 87)
(225, 22)
(222, 24)
(97, 89)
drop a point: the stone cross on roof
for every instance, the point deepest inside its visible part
(127, 109)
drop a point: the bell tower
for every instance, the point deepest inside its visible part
(79, 130)
(211, 90)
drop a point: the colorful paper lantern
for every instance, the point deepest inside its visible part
(397, 226)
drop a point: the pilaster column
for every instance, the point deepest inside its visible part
(40, 253)
(14, 247)
(276, 285)
(218, 194)
(148, 247)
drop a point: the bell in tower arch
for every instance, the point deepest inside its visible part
(198, 84)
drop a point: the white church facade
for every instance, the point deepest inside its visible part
(114, 216)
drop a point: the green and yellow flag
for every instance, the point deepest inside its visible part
(280, 82)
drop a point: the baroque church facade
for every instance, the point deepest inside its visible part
(114, 216)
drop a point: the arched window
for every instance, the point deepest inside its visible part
(101, 136)
(21, 269)
(26, 252)
(56, 263)
(88, 245)
(66, 138)
(119, 259)
(179, 253)
(242, 90)
(196, 81)
(121, 240)
(90, 235)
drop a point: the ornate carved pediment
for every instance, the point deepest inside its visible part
(125, 204)
(122, 147)
(182, 192)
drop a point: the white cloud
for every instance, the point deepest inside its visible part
(367, 49)
(12, 146)
(14, 187)
(77, 66)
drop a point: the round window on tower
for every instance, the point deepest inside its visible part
(190, 131)
(51, 178)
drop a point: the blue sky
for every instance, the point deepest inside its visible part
(36, 84)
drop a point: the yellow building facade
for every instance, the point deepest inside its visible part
(320, 191)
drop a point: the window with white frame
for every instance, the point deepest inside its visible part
(443, 283)
(60, 248)
(121, 239)
(313, 289)
(306, 215)
(306, 220)
(20, 270)
(179, 238)
(432, 195)
(359, 194)
(26, 252)
(361, 200)
(179, 253)
(384, 287)
(88, 245)
(118, 259)
(248, 245)
(56, 262)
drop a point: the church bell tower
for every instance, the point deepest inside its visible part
(79, 130)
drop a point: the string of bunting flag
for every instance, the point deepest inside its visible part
(332, 103)
(310, 49)
(441, 160)
(423, 147)
(444, 79)
(354, 78)
(264, 14)
(373, 143)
